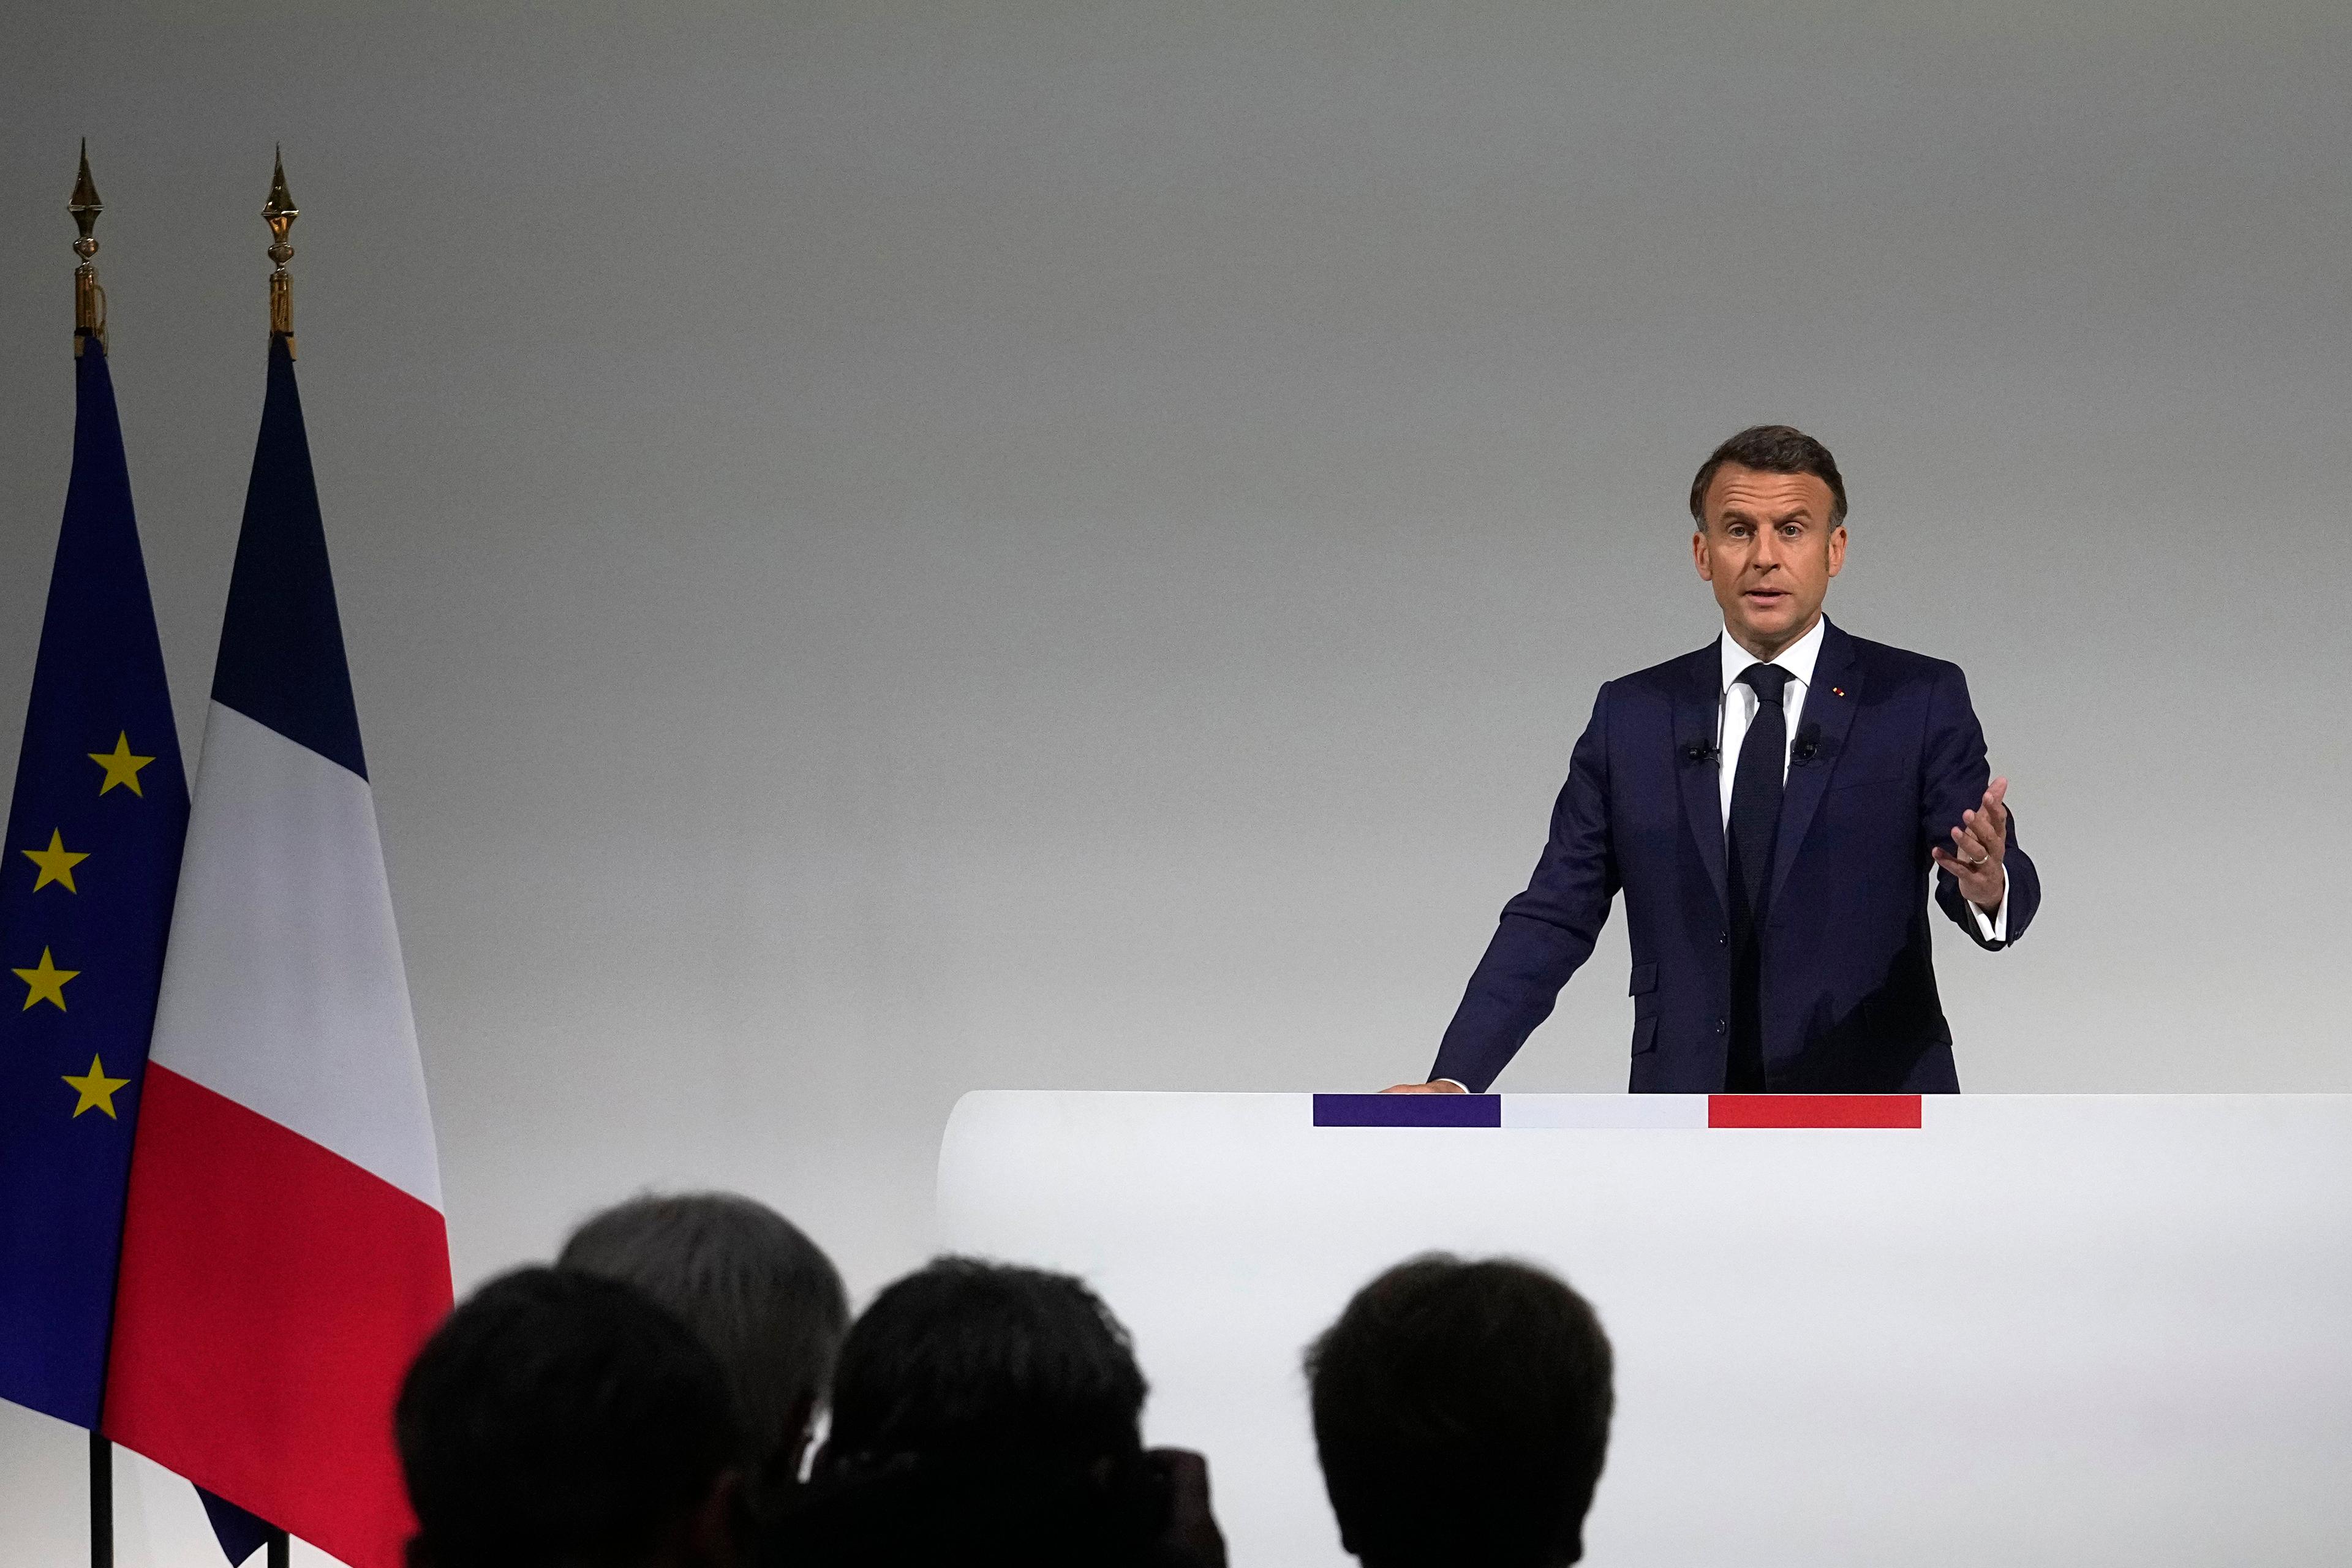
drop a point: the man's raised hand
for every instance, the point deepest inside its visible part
(1978, 845)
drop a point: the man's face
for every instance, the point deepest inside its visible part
(1766, 545)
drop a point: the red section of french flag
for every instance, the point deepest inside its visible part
(305, 1261)
(1813, 1109)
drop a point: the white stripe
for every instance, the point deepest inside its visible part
(283, 987)
(1605, 1110)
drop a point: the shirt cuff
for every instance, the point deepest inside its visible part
(1466, 1088)
(1995, 926)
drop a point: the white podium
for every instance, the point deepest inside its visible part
(1976, 1331)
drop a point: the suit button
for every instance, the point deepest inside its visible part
(1718, 1025)
(1722, 939)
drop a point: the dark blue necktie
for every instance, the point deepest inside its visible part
(1755, 825)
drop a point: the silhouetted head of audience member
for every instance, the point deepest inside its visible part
(764, 1298)
(971, 1359)
(1462, 1415)
(558, 1420)
(984, 1413)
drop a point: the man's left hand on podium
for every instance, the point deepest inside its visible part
(1434, 1086)
(1978, 844)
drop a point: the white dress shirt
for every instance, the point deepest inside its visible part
(1737, 711)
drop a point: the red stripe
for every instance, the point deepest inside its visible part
(272, 1295)
(1813, 1110)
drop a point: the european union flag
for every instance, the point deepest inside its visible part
(91, 861)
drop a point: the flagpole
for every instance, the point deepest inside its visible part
(279, 211)
(90, 299)
(101, 1502)
(90, 322)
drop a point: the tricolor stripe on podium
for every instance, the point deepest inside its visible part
(284, 1253)
(1662, 1112)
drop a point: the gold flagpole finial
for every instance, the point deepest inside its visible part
(279, 213)
(90, 299)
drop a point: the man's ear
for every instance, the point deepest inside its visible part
(1707, 567)
(1837, 549)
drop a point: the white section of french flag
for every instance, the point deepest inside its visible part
(284, 1253)
(284, 990)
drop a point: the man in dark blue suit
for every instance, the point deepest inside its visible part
(1772, 806)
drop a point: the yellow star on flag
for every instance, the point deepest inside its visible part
(46, 983)
(56, 863)
(96, 1088)
(121, 767)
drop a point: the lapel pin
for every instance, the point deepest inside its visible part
(1837, 690)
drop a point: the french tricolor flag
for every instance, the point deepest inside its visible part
(284, 1253)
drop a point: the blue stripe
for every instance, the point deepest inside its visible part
(281, 648)
(241, 1534)
(1408, 1110)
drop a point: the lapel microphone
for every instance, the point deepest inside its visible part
(1808, 745)
(1698, 752)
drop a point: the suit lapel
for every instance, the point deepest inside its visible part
(1697, 714)
(1830, 704)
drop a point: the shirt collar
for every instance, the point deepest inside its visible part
(1796, 658)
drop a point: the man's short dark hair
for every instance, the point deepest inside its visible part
(1771, 449)
(984, 1414)
(556, 1419)
(965, 1359)
(765, 1300)
(1462, 1415)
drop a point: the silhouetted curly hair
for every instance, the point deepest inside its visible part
(965, 1357)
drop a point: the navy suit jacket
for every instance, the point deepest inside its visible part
(1886, 755)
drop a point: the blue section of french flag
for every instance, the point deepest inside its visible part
(281, 659)
(284, 1253)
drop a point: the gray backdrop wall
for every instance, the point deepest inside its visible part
(889, 549)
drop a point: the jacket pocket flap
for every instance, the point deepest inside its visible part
(1645, 978)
